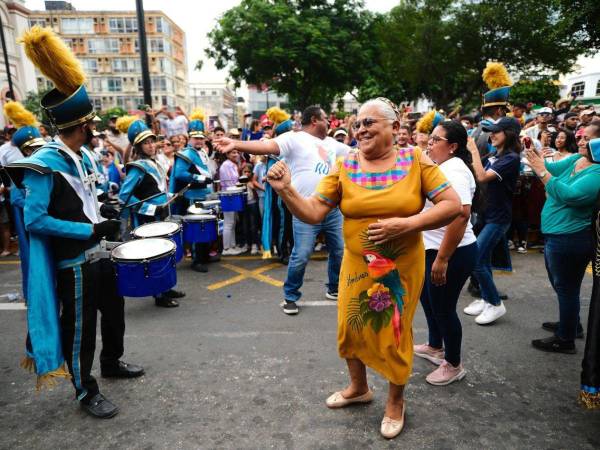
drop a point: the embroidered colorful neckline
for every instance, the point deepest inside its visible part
(379, 180)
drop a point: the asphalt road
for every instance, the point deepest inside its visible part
(229, 370)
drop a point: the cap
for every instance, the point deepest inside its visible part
(198, 134)
(139, 131)
(234, 132)
(594, 146)
(587, 112)
(340, 131)
(569, 115)
(545, 110)
(503, 124)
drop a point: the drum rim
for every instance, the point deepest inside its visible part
(192, 214)
(173, 233)
(205, 218)
(137, 261)
(230, 193)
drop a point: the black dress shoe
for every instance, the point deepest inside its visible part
(199, 267)
(99, 407)
(215, 258)
(174, 293)
(553, 326)
(555, 344)
(165, 302)
(121, 370)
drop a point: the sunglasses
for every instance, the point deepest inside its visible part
(367, 122)
(436, 138)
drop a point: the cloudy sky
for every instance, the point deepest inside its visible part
(196, 18)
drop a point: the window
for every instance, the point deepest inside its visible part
(163, 26)
(39, 22)
(159, 45)
(158, 83)
(166, 66)
(96, 46)
(598, 89)
(125, 65)
(123, 25)
(578, 88)
(79, 25)
(123, 102)
(213, 93)
(90, 65)
(96, 103)
(97, 85)
(114, 84)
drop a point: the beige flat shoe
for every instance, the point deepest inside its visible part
(337, 400)
(391, 428)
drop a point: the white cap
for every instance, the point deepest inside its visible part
(545, 110)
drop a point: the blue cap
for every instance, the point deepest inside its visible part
(67, 111)
(594, 146)
(138, 131)
(437, 119)
(284, 127)
(196, 128)
(503, 124)
(496, 97)
(27, 136)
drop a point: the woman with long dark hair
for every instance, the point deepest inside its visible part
(500, 176)
(565, 144)
(450, 255)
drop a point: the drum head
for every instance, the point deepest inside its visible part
(141, 249)
(197, 210)
(199, 218)
(234, 189)
(156, 229)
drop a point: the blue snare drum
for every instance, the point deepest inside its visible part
(233, 199)
(198, 210)
(167, 230)
(144, 267)
(200, 228)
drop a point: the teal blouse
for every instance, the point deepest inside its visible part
(570, 197)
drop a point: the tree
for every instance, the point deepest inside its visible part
(32, 103)
(311, 50)
(536, 91)
(438, 48)
(583, 17)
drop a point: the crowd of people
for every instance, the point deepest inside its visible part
(400, 200)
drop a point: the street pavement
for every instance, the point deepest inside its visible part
(228, 369)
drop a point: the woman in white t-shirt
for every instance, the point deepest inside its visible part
(450, 256)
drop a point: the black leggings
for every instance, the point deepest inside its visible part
(439, 302)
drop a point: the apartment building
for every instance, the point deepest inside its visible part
(107, 44)
(218, 100)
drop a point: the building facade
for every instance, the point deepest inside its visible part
(107, 44)
(218, 101)
(15, 20)
(260, 98)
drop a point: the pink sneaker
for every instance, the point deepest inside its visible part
(434, 355)
(446, 374)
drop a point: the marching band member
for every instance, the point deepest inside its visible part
(63, 220)
(146, 179)
(192, 166)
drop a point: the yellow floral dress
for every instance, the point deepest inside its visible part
(380, 285)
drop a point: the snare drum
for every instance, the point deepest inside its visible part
(144, 267)
(167, 230)
(197, 210)
(233, 199)
(200, 228)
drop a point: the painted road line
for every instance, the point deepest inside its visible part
(12, 307)
(245, 274)
(317, 303)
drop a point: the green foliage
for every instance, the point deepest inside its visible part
(311, 50)
(105, 115)
(32, 103)
(582, 17)
(536, 91)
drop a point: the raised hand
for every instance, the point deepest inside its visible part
(224, 144)
(279, 176)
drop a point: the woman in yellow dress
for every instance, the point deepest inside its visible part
(380, 189)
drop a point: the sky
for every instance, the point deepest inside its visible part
(196, 18)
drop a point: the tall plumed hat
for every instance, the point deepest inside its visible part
(498, 81)
(27, 134)
(429, 121)
(138, 131)
(68, 103)
(196, 125)
(280, 119)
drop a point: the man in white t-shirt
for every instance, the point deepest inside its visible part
(310, 155)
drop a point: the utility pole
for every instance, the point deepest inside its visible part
(11, 92)
(139, 4)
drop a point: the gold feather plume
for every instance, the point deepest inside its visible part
(495, 75)
(198, 114)
(425, 123)
(124, 122)
(277, 115)
(18, 115)
(53, 58)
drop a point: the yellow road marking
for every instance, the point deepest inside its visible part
(245, 274)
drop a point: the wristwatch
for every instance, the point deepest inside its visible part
(542, 174)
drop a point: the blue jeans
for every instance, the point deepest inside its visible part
(304, 244)
(488, 238)
(439, 302)
(566, 257)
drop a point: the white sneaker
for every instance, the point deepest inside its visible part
(475, 307)
(490, 314)
(522, 249)
(237, 250)
(228, 252)
(242, 249)
(254, 250)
